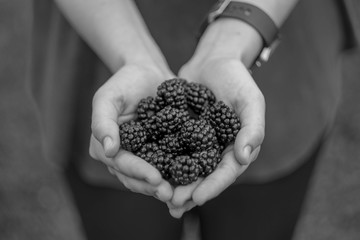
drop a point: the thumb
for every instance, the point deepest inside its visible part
(104, 126)
(252, 132)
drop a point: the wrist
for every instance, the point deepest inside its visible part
(154, 64)
(141, 55)
(230, 38)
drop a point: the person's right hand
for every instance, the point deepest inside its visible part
(220, 62)
(114, 103)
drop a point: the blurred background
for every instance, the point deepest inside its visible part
(48, 76)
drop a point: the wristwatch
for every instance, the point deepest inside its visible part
(252, 15)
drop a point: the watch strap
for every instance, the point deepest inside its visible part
(255, 17)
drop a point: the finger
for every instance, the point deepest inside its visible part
(162, 192)
(94, 147)
(182, 194)
(224, 175)
(126, 163)
(96, 151)
(186, 72)
(134, 167)
(178, 212)
(135, 185)
(105, 112)
(111, 171)
(125, 118)
(252, 132)
(255, 153)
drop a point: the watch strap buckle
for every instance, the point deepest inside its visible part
(266, 52)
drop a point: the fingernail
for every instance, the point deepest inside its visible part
(170, 205)
(111, 170)
(107, 143)
(247, 151)
(176, 213)
(158, 195)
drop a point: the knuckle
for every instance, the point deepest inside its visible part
(92, 150)
(97, 96)
(96, 126)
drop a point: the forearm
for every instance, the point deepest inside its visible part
(114, 30)
(234, 38)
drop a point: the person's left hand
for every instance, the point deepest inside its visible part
(232, 83)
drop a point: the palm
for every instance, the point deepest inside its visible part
(129, 85)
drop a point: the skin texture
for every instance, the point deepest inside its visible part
(221, 61)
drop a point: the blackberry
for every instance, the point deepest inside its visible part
(208, 160)
(157, 158)
(132, 135)
(181, 132)
(151, 128)
(147, 107)
(224, 120)
(169, 119)
(197, 135)
(198, 97)
(163, 162)
(172, 93)
(182, 81)
(147, 147)
(171, 144)
(184, 170)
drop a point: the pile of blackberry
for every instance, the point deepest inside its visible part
(182, 131)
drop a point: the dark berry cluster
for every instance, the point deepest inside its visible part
(133, 135)
(181, 132)
(224, 120)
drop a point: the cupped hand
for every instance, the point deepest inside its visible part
(114, 103)
(232, 83)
